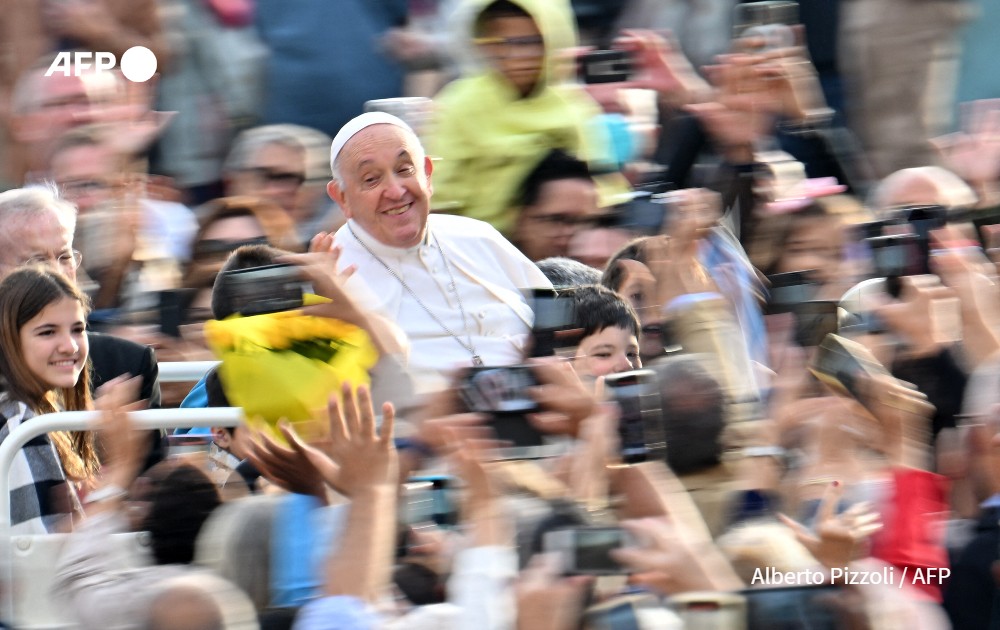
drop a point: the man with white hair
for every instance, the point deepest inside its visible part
(36, 225)
(452, 283)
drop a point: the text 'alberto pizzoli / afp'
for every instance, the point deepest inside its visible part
(887, 575)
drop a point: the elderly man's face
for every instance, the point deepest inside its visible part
(386, 184)
(41, 238)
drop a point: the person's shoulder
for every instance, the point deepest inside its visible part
(12, 411)
(454, 225)
(104, 343)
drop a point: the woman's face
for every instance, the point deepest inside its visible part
(816, 243)
(54, 343)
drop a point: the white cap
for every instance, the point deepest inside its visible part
(358, 123)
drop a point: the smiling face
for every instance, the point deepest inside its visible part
(609, 351)
(54, 343)
(385, 184)
(44, 237)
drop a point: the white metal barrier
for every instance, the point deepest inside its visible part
(184, 371)
(16, 610)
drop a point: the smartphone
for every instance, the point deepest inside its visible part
(814, 320)
(429, 499)
(770, 21)
(501, 393)
(587, 550)
(895, 256)
(555, 318)
(641, 426)
(626, 612)
(844, 365)
(711, 610)
(811, 607)
(790, 289)
(605, 66)
(267, 289)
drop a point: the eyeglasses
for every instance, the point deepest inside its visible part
(511, 47)
(79, 186)
(67, 260)
(272, 176)
(567, 220)
(216, 248)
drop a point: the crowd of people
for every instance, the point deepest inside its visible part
(707, 336)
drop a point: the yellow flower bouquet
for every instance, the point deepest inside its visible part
(285, 365)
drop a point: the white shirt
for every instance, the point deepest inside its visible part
(489, 274)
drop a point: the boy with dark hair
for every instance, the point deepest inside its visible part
(610, 339)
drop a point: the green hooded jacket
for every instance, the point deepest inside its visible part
(488, 137)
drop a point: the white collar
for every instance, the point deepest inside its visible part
(382, 250)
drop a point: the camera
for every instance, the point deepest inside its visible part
(605, 66)
(429, 499)
(844, 364)
(267, 289)
(640, 427)
(770, 20)
(555, 317)
(788, 290)
(502, 394)
(587, 550)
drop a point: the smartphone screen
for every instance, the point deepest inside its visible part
(605, 66)
(267, 289)
(805, 607)
(640, 425)
(814, 320)
(787, 290)
(501, 393)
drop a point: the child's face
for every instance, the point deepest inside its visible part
(516, 50)
(609, 351)
(54, 343)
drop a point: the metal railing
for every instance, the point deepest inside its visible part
(84, 421)
(184, 371)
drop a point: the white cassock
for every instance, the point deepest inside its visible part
(489, 275)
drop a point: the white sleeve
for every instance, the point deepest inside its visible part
(482, 587)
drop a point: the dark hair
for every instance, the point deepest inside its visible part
(694, 413)
(556, 166)
(566, 273)
(614, 274)
(243, 257)
(23, 295)
(498, 9)
(771, 235)
(181, 499)
(599, 307)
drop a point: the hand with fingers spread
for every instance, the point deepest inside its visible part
(367, 458)
(319, 266)
(974, 153)
(662, 67)
(362, 564)
(838, 539)
(564, 399)
(299, 469)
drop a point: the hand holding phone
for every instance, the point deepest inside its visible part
(587, 550)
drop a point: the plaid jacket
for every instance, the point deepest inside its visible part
(39, 494)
